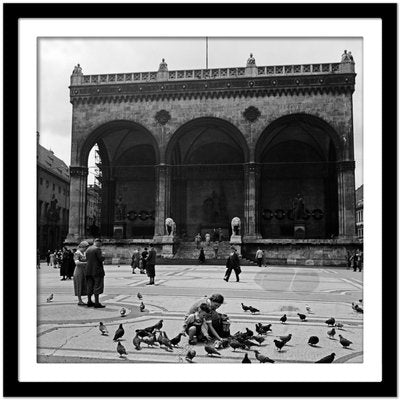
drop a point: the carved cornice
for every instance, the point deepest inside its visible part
(78, 171)
(219, 88)
(343, 166)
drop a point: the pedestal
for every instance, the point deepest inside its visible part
(236, 240)
(119, 231)
(167, 246)
(299, 229)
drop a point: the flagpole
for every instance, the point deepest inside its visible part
(206, 52)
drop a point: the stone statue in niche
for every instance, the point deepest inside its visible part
(170, 226)
(120, 209)
(235, 224)
(298, 207)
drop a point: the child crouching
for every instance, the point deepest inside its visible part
(196, 324)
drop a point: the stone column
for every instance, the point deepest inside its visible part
(346, 199)
(77, 203)
(250, 223)
(162, 203)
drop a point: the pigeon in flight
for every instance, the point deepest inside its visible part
(119, 333)
(211, 350)
(123, 312)
(330, 322)
(313, 340)
(50, 298)
(344, 342)
(332, 333)
(121, 350)
(283, 319)
(279, 344)
(263, 359)
(327, 359)
(142, 307)
(190, 355)
(302, 317)
(103, 329)
(246, 359)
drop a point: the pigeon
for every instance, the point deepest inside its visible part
(313, 340)
(121, 350)
(308, 308)
(246, 359)
(248, 343)
(123, 312)
(261, 358)
(235, 344)
(279, 344)
(327, 359)
(332, 333)
(142, 333)
(253, 310)
(165, 341)
(149, 340)
(344, 342)
(175, 341)
(50, 298)
(359, 309)
(339, 325)
(136, 342)
(155, 327)
(103, 329)
(283, 319)
(259, 339)
(245, 308)
(285, 339)
(263, 329)
(360, 301)
(190, 355)
(302, 317)
(249, 333)
(353, 306)
(211, 350)
(330, 322)
(139, 296)
(119, 333)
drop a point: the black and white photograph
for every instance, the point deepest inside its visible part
(193, 190)
(200, 200)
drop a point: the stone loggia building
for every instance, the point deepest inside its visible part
(204, 146)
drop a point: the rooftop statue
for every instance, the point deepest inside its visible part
(163, 66)
(251, 61)
(347, 57)
(77, 70)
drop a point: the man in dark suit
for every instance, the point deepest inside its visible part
(94, 274)
(151, 264)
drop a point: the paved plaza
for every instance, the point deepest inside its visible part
(68, 333)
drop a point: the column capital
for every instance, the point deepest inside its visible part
(78, 171)
(343, 166)
(251, 167)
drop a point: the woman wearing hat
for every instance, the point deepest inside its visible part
(79, 273)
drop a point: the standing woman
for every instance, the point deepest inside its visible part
(202, 257)
(53, 259)
(64, 264)
(80, 273)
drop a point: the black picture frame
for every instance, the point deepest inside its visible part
(12, 386)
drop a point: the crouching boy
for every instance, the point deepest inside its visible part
(196, 324)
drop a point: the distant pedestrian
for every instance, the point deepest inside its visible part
(232, 263)
(259, 257)
(71, 264)
(216, 248)
(202, 257)
(360, 261)
(135, 263)
(48, 257)
(151, 264)
(95, 274)
(220, 236)
(144, 255)
(38, 259)
(208, 238)
(80, 272)
(355, 261)
(53, 260)
(348, 258)
(64, 264)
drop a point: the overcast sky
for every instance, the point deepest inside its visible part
(58, 56)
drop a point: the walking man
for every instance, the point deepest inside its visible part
(151, 264)
(94, 274)
(232, 263)
(259, 257)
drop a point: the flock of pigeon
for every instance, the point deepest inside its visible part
(155, 336)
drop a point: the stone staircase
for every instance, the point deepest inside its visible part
(189, 251)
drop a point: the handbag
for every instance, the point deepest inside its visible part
(238, 270)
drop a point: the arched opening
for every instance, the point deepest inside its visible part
(126, 164)
(297, 155)
(207, 189)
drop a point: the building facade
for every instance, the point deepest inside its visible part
(205, 146)
(360, 212)
(53, 188)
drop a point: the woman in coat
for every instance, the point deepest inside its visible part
(79, 272)
(202, 257)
